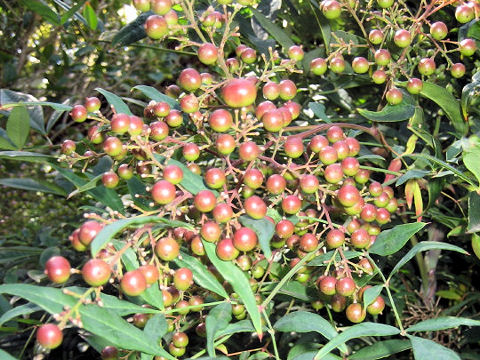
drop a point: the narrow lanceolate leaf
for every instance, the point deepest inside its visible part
(217, 319)
(201, 275)
(6, 356)
(155, 328)
(21, 310)
(392, 240)
(304, 321)
(470, 159)
(18, 126)
(428, 349)
(132, 32)
(90, 16)
(115, 101)
(381, 349)
(264, 230)
(356, 331)
(390, 113)
(276, 32)
(239, 282)
(448, 103)
(425, 246)
(43, 10)
(25, 156)
(371, 294)
(109, 231)
(442, 323)
(96, 320)
(33, 185)
(156, 95)
(236, 327)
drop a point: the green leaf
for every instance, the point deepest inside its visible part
(26, 309)
(381, 349)
(153, 296)
(392, 240)
(371, 294)
(428, 349)
(33, 185)
(25, 156)
(236, 327)
(90, 16)
(449, 294)
(132, 32)
(411, 174)
(470, 159)
(217, 319)
(201, 275)
(424, 246)
(469, 92)
(89, 185)
(9, 99)
(473, 212)
(18, 126)
(264, 230)
(109, 231)
(129, 256)
(277, 33)
(239, 282)
(442, 323)
(449, 104)
(12, 254)
(6, 356)
(97, 320)
(155, 328)
(356, 331)
(319, 111)
(137, 187)
(310, 355)
(156, 95)
(5, 142)
(115, 101)
(43, 10)
(304, 321)
(56, 115)
(390, 113)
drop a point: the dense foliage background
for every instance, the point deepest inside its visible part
(57, 53)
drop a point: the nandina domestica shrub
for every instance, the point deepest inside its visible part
(232, 221)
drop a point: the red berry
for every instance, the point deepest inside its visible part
(331, 9)
(239, 93)
(291, 204)
(296, 53)
(112, 146)
(294, 147)
(245, 239)
(161, 7)
(394, 96)
(427, 66)
(79, 113)
(360, 65)
(335, 238)
(438, 30)
(414, 86)
(355, 313)
(163, 192)
(68, 147)
(92, 104)
(215, 178)
(120, 123)
(345, 286)
(158, 130)
(190, 79)
(382, 57)
(226, 250)
(271, 90)
(133, 283)
(96, 272)
(49, 336)
(327, 285)
(375, 36)
(156, 27)
(88, 231)
(211, 231)
(318, 66)
(110, 179)
(183, 279)
(220, 120)
(248, 151)
(360, 238)
(191, 152)
(255, 207)
(57, 268)
(402, 38)
(207, 53)
(225, 144)
(150, 273)
(308, 242)
(167, 249)
(204, 201)
(222, 213)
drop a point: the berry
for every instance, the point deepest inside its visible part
(375, 36)
(239, 93)
(379, 77)
(191, 152)
(337, 65)
(288, 89)
(120, 123)
(464, 14)
(335, 238)
(150, 273)
(215, 178)
(226, 250)
(385, 4)
(211, 231)
(79, 113)
(167, 249)
(68, 147)
(355, 313)
(204, 201)
(331, 9)
(163, 192)
(327, 285)
(255, 207)
(190, 79)
(110, 180)
(438, 30)
(183, 279)
(348, 195)
(49, 336)
(382, 57)
(360, 65)
(248, 151)
(173, 174)
(161, 7)
(318, 66)
(291, 204)
(271, 90)
(88, 231)
(220, 120)
(394, 96)
(345, 286)
(457, 70)
(296, 53)
(402, 38)
(427, 66)
(156, 27)
(57, 268)
(158, 130)
(467, 47)
(112, 146)
(414, 86)
(96, 272)
(245, 239)
(133, 283)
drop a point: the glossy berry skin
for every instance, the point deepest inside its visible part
(414, 86)
(120, 123)
(109, 353)
(318, 66)
(427, 66)
(402, 38)
(180, 339)
(253, 178)
(350, 166)
(112, 146)
(156, 27)
(133, 283)
(190, 79)
(79, 113)
(255, 207)
(110, 179)
(173, 174)
(309, 184)
(176, 351)
(360, 238)
(245, 239)
(345, 286)
(355, 313)
(92, 104)
(291, 204)
(57, 268)
(204, 201)
(375, 36)
(288, 89)
(379, 77)
(167, 249)
(161, 7)
(348, 195)
(222, 213)
(360, 65)
(438, 30)
(183, 279)
(328, 155)
(385, 4)
(239, 93)
(248, 151)
(150, 273)
(394, 96)
(464, 14)
(226, 250)
(327, 285)
(317, 143)
(49, 336)
(161, 109)
(308, 242)
(284, 229)
(163, 192)
(215, 178)
(382, 57)
(158, 130)
(88, 231)
(273, 120)
(296, 53)
(189, 104)
(211, 231)
(208, 53)
(338, 303)
(225, 144)
(68, 147)
(276, 184)
(271, 90)
(457, 70)
(331, 9)
(191, 152)
(96, 272)
(294, 147)
(467, 47)
(337, 65)
(220, 120)
(335, 238)
(248, 56)
(377, 306)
